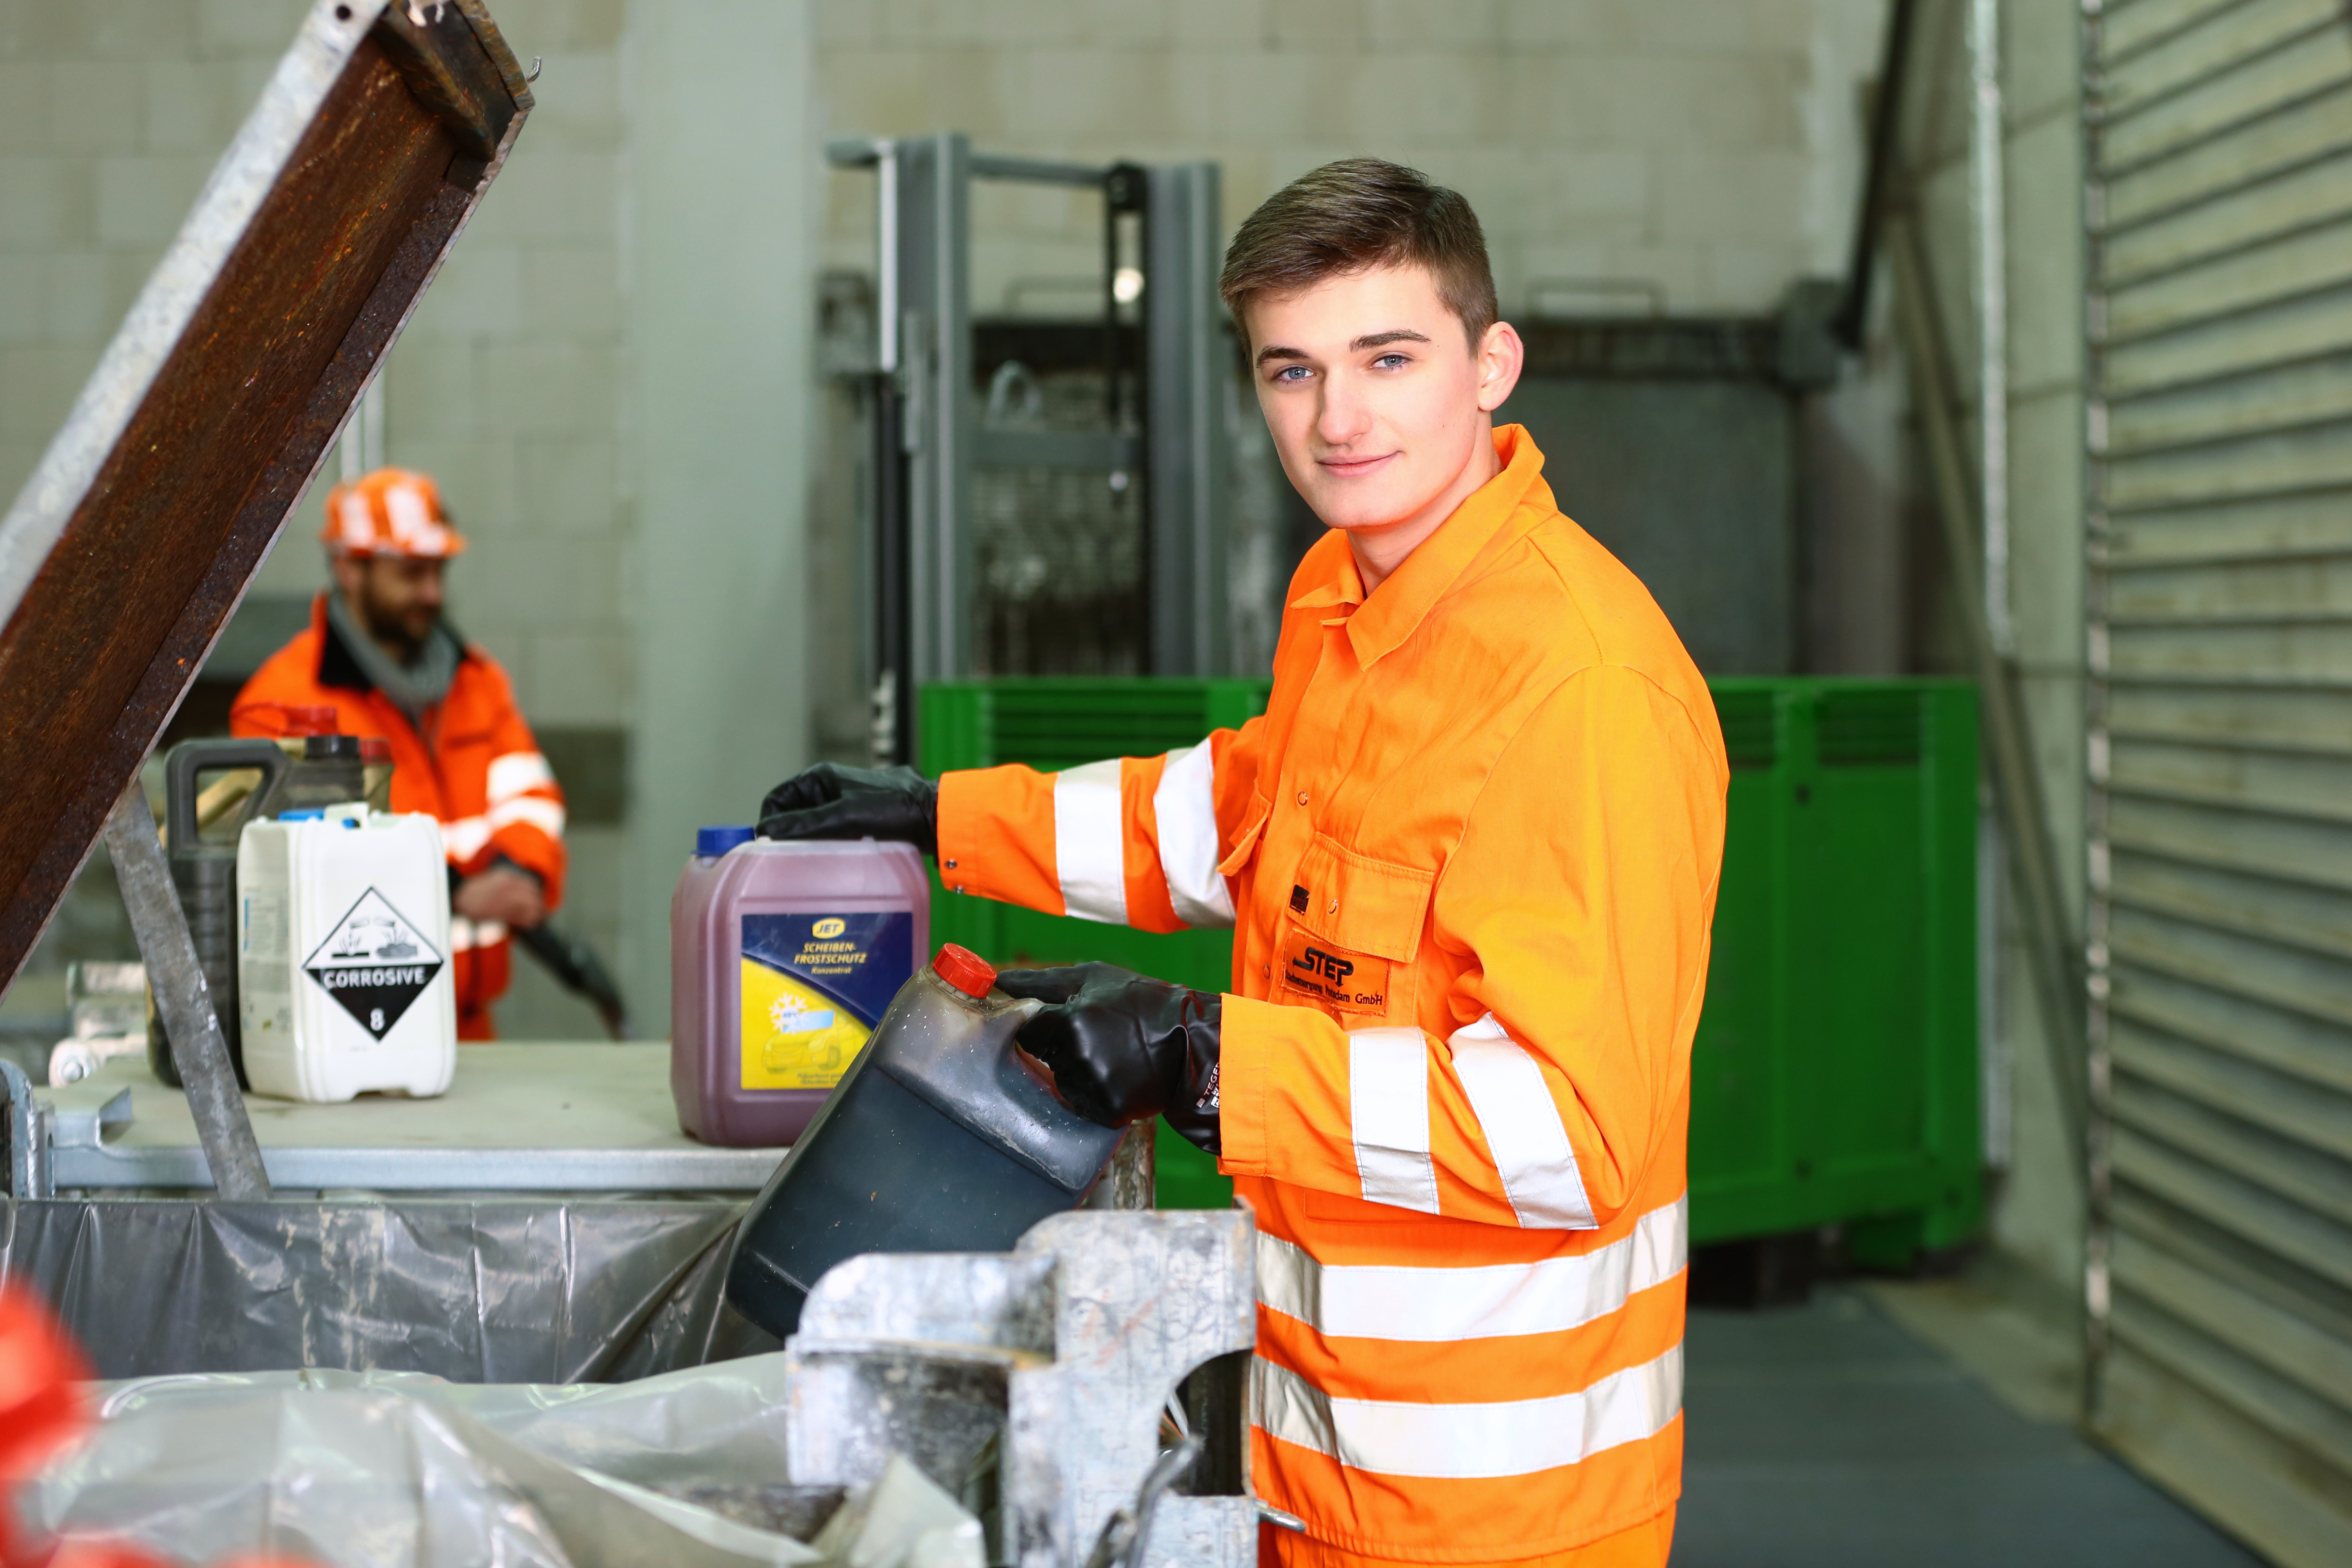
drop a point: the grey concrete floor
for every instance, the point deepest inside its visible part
(1827, 1436)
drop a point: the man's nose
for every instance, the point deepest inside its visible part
(1341, 417)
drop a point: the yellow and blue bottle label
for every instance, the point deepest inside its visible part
(813, 986)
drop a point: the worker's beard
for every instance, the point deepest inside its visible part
(401, 629)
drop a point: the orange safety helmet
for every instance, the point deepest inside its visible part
(392, 512)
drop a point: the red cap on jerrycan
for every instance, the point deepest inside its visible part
(965, 970)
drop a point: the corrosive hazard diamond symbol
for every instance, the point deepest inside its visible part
(374, 963)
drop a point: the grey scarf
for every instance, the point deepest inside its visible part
(412, 688)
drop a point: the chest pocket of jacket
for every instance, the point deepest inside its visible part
(1353, 930)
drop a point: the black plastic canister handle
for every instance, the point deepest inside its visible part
(190, 759)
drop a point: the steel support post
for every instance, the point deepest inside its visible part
(1185, 373)
(2055, 957)
(184, 999)
(932, 263)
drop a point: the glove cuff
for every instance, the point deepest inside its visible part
(1193, 1110)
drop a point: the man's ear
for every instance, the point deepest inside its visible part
(1500, 357)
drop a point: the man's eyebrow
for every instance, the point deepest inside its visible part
(1370, 341)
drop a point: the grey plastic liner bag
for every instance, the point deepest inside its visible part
(510, 1289)
(401, 1470)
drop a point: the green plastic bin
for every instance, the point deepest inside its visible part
(1834, 1074)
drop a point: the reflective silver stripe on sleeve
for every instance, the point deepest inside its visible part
(1089, 838)
(1522, 1126)
(1384, 1302)
(1470, 1442)
(516, 772)
(1388, 1110)
(467, 935)
(1185, 803)
(464, 839)
(536, 809)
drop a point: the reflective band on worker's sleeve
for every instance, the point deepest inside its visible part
(466, 935)
(1089, 838)
(516, 772)
(1185, 803)
(1388, 1110)
(467, 836)
(1523, 1128)
(1470, 1442)
(536, 809)
(1386, 1301)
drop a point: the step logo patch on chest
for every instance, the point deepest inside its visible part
(374, 963)
(1350, 982)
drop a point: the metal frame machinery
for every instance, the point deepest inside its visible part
(1166, 424)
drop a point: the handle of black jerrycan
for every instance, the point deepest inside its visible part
(190, 759)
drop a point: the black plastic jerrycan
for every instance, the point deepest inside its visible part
(202, 855)
(937, 1139)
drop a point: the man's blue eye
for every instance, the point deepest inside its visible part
(1391, 361)
(1290, 372)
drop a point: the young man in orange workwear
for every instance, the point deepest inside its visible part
(380, 654)
(1470, 853)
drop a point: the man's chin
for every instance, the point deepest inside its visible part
(1356, 513)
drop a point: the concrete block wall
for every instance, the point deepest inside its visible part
(112, 114)
(1706, 149)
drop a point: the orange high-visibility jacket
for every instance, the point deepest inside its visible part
(478, 769)
(1470, 853)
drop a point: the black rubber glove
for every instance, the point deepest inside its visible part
(1123, 1046)
(829, 801)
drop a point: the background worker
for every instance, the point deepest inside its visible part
(379, 652)
(1471, 853)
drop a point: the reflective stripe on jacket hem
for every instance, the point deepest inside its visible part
(1185, 803)
(1395, 1301)
(1089, 842)
(1469, 1442)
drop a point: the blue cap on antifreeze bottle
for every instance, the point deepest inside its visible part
(713, 842)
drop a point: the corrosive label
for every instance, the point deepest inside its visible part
(374, 963)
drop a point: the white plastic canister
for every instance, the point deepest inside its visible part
(343, 959)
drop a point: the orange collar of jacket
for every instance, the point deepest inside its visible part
(1491, 516)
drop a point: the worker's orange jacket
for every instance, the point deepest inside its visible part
(1470, 853)
(476, 768)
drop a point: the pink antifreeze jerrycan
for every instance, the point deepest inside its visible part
(783, 957)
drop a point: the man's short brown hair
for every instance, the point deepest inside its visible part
(1354, 214)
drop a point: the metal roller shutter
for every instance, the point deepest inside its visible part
(2219, 141)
